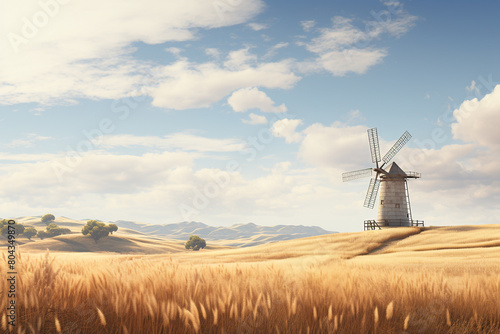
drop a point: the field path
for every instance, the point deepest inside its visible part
(391, 241)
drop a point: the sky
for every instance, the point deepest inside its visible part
(236, 111)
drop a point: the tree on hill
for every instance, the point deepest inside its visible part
(30, 232)
(96, 229)
(112, 228)
(195, 243)
(42, 235)
(4, 227)
(53, 230)
(48, 218)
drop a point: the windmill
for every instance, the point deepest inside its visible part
(394, 206)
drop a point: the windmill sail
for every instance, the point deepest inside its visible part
(374, 146)
(357, 174)
(396, 147)
(371, 194)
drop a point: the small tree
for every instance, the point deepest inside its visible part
(95, 229)
(48, 218)
(53, 230)
(30, 232)
(4, 227)
(195, 243)
(112, 228)
(42, 235)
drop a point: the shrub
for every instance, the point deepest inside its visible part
(195, 243)
(112, 228)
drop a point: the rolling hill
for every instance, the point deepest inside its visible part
(392, 246)
(112, 244)
(240, 235)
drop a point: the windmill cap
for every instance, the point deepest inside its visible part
(393, 169)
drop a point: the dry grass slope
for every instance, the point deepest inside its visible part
(347, 283)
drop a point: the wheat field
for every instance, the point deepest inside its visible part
(298, 288)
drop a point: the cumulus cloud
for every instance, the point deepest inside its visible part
(255, 119)
(477, 120)
(337, 146)
(66, 51)
(212, 81)
(252, 98)
(95, 172)
(286, 128)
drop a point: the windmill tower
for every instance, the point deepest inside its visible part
(394, 207)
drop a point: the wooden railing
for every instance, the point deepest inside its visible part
(374, 225)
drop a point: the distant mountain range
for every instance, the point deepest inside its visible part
(240, 235)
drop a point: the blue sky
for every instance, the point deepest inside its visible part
(233, 111)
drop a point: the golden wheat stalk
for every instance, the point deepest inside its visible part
(58, 325)
(407, 320)
(389, 310)
(102, 318)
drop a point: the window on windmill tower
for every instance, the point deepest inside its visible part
(381, 202)
(398, 205)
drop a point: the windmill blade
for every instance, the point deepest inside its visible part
(371, 194)
(396, 147)
(357, 174)
(374, 146)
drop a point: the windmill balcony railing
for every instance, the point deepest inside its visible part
(414, 174)
(377, 225)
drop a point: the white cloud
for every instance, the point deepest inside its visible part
(308, 25)
(338, 146)
(345, 48)
(258, 26)
(75, 53)
(255, 119)
(252, 98)
(477, 120)
(28, 141)
(38, 182)
(286, 128)
(240, 60)
(339, 63)
(175, 51)
(212, 52)
(213, 82)
(354, 116)
(274, 50)
(177, 141)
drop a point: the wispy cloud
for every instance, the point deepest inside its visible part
(258, 26)
(177, 141)
(345, 47)
(255, 119)
(28, 141)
